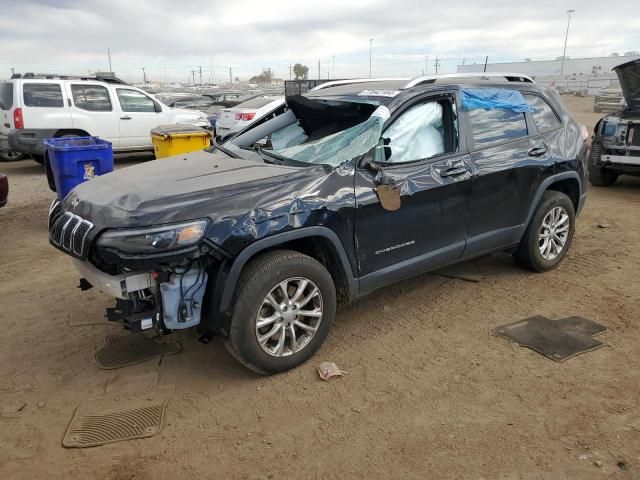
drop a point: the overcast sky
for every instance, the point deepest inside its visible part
(172, 37)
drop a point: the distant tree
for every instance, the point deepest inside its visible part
(265, 77)
(301, 71)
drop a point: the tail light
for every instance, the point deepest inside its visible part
(245, 116)
(584, 133)
(18, 121)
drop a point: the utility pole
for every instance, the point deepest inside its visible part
(109, 55)
(211, 70)
(230, 75)
(566, 36)
(200, 69)
(437, 64)
(486, 59)
(318, 69)
(144, 76)
(370, 49)
(334, 66)
(193, 77)
(426, 64)
(290, 71)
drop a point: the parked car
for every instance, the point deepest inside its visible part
(196, 102)
(49, 107)
(232, 120)
(334, 194)
(609, 99)
(6, 100)
(4, 189)
(616, 137)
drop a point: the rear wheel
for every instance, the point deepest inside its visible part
(549, 234)
(10, 156)
(284, 305)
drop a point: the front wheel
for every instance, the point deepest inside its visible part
(284, 305)
(549, 234)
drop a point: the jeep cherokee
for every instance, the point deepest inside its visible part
(351, 187)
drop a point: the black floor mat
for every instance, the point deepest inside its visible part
(558, 340)
(128, 350)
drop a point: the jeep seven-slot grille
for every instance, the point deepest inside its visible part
(67, 231)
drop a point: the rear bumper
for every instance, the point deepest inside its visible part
(30, 140)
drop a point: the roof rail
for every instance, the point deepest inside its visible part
(336, 83)
(509, 77)
(57, 76)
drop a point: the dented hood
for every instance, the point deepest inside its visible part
(629, 76)
(169, 190)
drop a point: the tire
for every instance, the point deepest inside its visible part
(50, 180)
(11, 156)
(599, 176)
(260, 278)
(529, 254)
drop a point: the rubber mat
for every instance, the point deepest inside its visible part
(558, 340)
(120, 352)
(100, 422)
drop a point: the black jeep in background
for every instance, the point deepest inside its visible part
(351, 187)
(616, 137)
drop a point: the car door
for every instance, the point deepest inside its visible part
(93, 111)
(428, 163)
(505, 161)
(138, 114)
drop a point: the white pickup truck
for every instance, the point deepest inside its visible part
(36, 107)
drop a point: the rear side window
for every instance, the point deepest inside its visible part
(496, 125)
(42, 95)
(134, 101)
(543, 115)
(6, 95)
(93, 98)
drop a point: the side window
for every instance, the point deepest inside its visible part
(134, 101)
(42, 95)
(92, 98)
(421, 132)
(543, 115)
(496, 125)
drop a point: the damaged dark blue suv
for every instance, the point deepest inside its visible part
(344, 190)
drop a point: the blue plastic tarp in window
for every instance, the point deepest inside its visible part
(489, 98)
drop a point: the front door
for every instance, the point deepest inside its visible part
(138, 114)
(421, 154)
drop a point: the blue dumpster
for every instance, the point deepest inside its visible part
(75, 160)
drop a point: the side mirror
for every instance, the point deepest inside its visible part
(157, 107)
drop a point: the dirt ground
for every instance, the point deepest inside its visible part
(430, 392)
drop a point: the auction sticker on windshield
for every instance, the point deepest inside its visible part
(378, 93)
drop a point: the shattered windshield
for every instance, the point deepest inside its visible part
(333, 149)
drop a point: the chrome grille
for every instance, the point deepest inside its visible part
(69, 233)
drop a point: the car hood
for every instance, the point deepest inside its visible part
(174, 189)
(629, 76)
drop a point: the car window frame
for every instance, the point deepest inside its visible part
(414, 101)
(137, 91)
(60, 85)
(553, 109)
(73, 100)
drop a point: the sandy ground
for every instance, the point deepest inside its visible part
(431, 392)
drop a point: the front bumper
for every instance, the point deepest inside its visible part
(30, 140)
(118, 286)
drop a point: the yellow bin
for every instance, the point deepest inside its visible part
(170, 140)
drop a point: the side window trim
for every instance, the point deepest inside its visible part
(73, 99)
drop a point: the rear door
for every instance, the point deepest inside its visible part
(506, 170)
(138, 114)
(93, 110)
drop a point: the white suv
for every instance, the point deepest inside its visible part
(34, 108)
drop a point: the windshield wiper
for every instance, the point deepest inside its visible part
(224, 150)
(270, 157)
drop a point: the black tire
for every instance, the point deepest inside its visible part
(38, 159)
(599, 176)
(11, 156)
(258, 279)
(528, 254)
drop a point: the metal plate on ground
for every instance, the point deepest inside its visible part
(558, 340)
(106, 421)
(128, 350)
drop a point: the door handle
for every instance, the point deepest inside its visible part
(125, 117)
(453, 172)
(537, 151)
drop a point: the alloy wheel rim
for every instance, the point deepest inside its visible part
(554, 233)
(289, 317)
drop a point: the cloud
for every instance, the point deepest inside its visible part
(172, 38)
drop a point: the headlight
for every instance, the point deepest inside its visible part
(166, 237)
